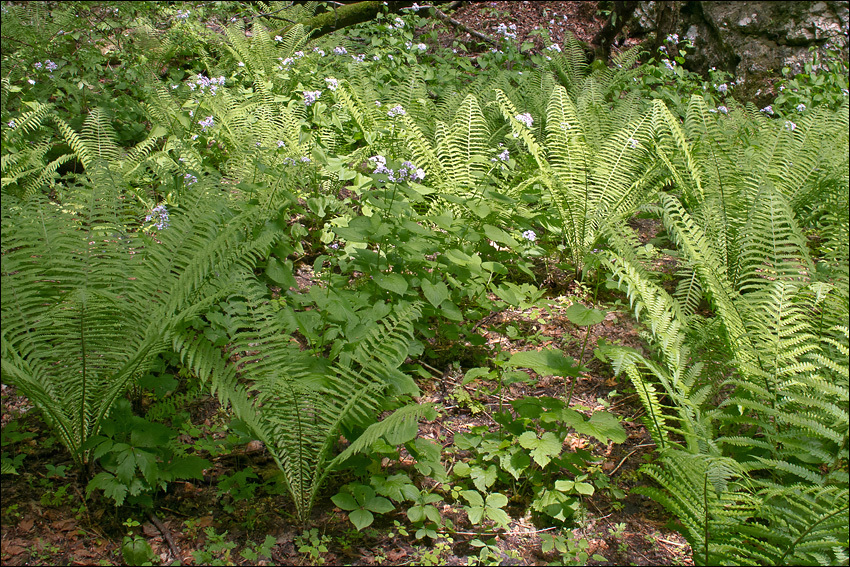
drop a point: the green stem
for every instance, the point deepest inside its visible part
(580, 363)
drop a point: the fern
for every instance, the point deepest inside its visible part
(87, 304)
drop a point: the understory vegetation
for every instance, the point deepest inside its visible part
(208, 201)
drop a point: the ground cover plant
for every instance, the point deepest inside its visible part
(388, 295)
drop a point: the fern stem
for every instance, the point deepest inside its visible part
(781, 560)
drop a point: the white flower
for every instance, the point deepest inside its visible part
(278, 38)
(790, 126)
(668, 64)
(30, 81)
(422, 47)
(722, 88)
(767, 109)
(311, 96)
(504, 156)
(673, 38)
(801, 107)
(378, 103)
(358, 58)
(241, 64)
(12, 124)
(332, 83)
(633, 143)
(525, 119)
(321, 52)
(554, 47)
(280, 143)
(190, 179)
(397, 110)
(339, 50)
(723, 109)
(529, 235)
(399, 23)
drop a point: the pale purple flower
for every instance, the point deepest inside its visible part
(50, 65)
(673, 38)
(159, 217)
(340, 50)
(207, 122)
(554, 47)
(30, 81)
(722, 88)
(182, 15)
(767, 109)
(280, 143)
(525, 119)
(332, 83)
(801, 107)
(397, 110)
(190, 179)
(12, 124)
(529, 235)
(321, 52)
(278, 38)
(311, 96)
(37, 65)
(790, 126)
(723, 109)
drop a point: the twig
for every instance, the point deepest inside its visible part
(165, 534)
(676, 543)
(442, 16)
(629, 455)
(506, 533)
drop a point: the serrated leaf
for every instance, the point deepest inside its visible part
(475, 514)
(484, 478)
(499, 516)
(584, 488)
(462, 469)
(416, 514)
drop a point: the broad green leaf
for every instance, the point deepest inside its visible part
(584, 488)
(344, 501)
(604, 426)
(392, 282)
(416, 514)
(379, 505)
(361, 518)
(580, 315)
(475, 513)
(462, 469)
(483, 478)
(564, 485)
(281, 273)
(498, 235)
(435, 293)
(545, 362)
(543, 448)
(472, 497)
(499, 516)
(497, 500)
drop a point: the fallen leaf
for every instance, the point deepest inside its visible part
(396, 554)
(13, 549)
(26, 525)
(63, 525)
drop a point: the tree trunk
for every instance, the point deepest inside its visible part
(620, 14)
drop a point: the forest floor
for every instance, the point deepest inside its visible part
(47, 520)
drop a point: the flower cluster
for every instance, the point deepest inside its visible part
(190, 179)
(207, 122)
(673, 38)
(529, 235)
(509, 31)
(669, 64)
(202, 83)
(359, 58)
(182, 14)
(321, 52)
(504, 156)
(293, 161)
(407, 170)
(790, 126)
(332, 83)
(48, 64)
(767, 109)
(722, 89)
(419, 46)
(311, 96)
(801, 107)
(12, 124)
(278, 39)
(554, 47)
(525, 119)
(281, 143)
(397, 110)
(340, 50)
(159, 217)
(723, 109)
(398, 24)
(633, 143)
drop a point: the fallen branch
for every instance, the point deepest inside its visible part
(165, 534)
(444, 17)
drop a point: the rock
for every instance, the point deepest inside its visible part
(749, 39)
